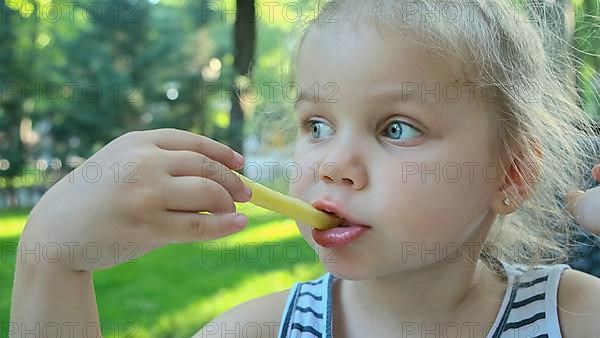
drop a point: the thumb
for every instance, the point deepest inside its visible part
(572, 198)
(596, 172)
(585, 207)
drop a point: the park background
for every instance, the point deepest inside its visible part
(77, 74)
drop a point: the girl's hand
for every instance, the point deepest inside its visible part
(585, 206)
(141, 191)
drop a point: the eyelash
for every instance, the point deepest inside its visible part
(307, 123)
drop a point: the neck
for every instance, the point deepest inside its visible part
(433, 293)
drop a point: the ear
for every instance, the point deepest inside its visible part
(518, 182)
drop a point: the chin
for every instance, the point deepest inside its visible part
(353, 266)
(350, 272)
(344, 267)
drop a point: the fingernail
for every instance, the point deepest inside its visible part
(248, 192)
(238, 159)
(240, 221)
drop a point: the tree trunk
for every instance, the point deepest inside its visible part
(244, 44)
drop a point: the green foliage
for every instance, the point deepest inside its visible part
(587, 42)
(85, 72)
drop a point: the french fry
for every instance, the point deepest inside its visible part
(288, 206)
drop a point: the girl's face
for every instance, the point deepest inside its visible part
(398, 139)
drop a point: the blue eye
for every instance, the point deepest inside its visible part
(315, 127)
(397, 129)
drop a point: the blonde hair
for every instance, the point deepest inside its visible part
(540, 127)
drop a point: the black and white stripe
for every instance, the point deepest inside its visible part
(531, 309)
(305, 313)
(528, 309)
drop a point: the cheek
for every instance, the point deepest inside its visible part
(306, 163)
(428, 205)
(300, 187)
(297, 187)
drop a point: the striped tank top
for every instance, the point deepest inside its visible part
(528, 308)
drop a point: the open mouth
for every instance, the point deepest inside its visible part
(344, 222)
(334, 209)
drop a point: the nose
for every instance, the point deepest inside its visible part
(344, 164)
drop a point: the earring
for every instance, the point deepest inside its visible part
(506, 201)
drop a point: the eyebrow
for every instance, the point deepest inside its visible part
(393, 95)
(398, 94)
(428, 111)
(309, 98)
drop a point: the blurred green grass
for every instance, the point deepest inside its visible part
(175, 290)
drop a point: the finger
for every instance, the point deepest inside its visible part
(190, 193)
(596, 172)
(191, 226)
(585, 207)
(571, 198)
(188, 163)
(175, 139)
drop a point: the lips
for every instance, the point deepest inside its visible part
(347, 232)
(327, 205)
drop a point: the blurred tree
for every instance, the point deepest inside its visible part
(244, 45)
(576, 29)
(16, 57)
(112, 65)
(139, 61)
(107, 60)
(587, 42)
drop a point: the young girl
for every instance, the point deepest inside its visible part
(446, 146)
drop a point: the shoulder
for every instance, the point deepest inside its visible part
(578, 304)
(262, 315)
